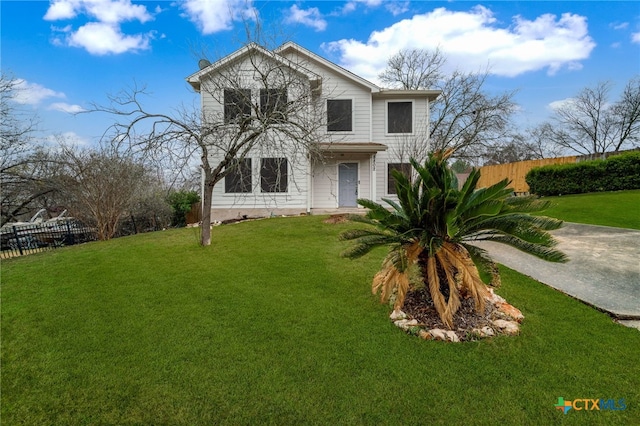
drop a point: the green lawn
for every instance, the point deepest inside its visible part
(270, 326)
(620, 209)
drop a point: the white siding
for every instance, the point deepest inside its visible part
(295, 197)
(335, 86)
(400, 147)
(369, 125)
(325, 179)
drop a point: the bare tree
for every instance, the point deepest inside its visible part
(100, 186)
(464, 116)
(22, 161)
(414, 69)
(266, 103)
(590, 123)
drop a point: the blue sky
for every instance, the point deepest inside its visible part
(70, 53)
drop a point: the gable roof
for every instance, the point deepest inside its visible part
(278, 55)
(291, 46)
(250, 49)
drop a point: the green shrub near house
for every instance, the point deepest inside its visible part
(181, 203)
(621, 172)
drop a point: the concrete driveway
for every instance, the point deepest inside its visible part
(603, 270)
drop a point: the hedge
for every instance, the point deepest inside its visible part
(617, 173)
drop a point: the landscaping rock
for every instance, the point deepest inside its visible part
(405, 324)
(510, 311)
(397, 314)
(485, 331)
(438, 334)
(494, 298)
(424, 334)
(452, 336)
(507, 327)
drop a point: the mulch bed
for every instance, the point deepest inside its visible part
(419, 306)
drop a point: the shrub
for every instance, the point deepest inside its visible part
(621, 172)
(181, 202)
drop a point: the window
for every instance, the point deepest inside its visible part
(273, 104)
(237, 105)
(239, 179)
(339, 115)
(404, 168)
(274, 175)
(400, 117)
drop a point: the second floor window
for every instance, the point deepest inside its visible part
(339, 115)
(400, 117)
(239, 179)
(237, 105)
(273, 104)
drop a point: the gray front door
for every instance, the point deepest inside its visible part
(347, 184)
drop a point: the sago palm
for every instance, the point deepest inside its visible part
(434, 225)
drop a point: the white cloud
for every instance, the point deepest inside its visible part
(100, 38)
(310, 17)
(353, 4)
(396, 7)
(60, 10)
(111, 11)
(33, 93)
(619, 25)
(65, 107)
(473, 40)
(635, 38)
(69, 139)
(561, 104)
(211, 16)
(104, 36)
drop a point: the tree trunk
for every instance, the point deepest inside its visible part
(205, 226)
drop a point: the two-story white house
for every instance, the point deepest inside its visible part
(365, 132)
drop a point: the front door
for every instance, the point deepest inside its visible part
(347, 185)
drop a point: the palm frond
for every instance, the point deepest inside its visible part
(487, 268)
(468, 276)
(394, 273)
(543, 252)
(365, 244)
(528, 228)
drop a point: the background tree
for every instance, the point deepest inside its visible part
(287, 113)
(465, 116)
(101, 186)
(518, 147)
(22, 161)
(590, 123)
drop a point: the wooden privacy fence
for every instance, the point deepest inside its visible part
(195, 214)
(516, 172)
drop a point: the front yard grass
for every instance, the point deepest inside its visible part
(620, 209)
(270, 326)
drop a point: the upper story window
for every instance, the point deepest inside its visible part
(239, 179)
(274, 175)
(400, 117)
(237, 105)
(339, 115)
(273, 104)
